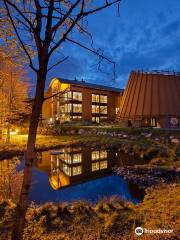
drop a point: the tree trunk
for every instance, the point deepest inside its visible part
(22, 205)
(8, 135)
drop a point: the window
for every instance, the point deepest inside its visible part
(95, 155)
(95, 98)
(103, 117)
(77, 96)
(69, 95)
(66, 169)
(77, 170)
(117, 110)
(95, 109)
(95, 166)
(68, 108)
(76, 117)
(103, 154)
(103, 109)
(103, 99)
(66, 157)
(77, 158)
(77, 108)
(103, 164)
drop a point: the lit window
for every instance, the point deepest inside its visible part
(69, 95)
(103, 99)
(95, 98)
(66, 169)
(95, 155)
(102, 154)
(95, 109)
(66, 157)
(77, 108)
(95, 166)
(67, 108)
(77, 170)
(103, 109)
(77, 158)
(103, 164)
(77, 96)
(117, 110)
(103, 117)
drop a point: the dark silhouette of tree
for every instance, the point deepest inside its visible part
(42, 26)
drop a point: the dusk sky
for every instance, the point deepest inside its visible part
(146, 36)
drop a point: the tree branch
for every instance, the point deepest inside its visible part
(57, 63)
(100, 8)
(19, 38)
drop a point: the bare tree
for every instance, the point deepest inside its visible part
(44, 25)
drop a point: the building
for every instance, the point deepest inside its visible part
(73, 100)
(151, 99)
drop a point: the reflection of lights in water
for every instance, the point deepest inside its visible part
(58, 179)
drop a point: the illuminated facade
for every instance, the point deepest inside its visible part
(80, 101)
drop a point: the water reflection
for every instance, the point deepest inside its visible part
(75, 165)
(80, 173)
(70, 174)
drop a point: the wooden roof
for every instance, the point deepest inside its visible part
(151, 94)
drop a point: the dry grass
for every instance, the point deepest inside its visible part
(108, 219)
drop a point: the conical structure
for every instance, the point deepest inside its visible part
(151, 99)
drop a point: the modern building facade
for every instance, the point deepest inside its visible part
(151, 99)
(73, 100)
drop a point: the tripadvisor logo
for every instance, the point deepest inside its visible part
(139, 231)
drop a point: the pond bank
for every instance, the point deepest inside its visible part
(147, 176)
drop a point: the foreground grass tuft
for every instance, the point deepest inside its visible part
(108, 219)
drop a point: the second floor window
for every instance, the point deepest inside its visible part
(77, 96)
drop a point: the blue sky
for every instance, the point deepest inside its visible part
(146, 36)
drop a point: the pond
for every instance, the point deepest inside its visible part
(80, 173)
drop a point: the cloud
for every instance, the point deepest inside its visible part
(141, 38)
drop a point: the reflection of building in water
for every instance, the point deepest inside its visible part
(75, 165)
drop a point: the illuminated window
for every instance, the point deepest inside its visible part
(103, 164)
(77, 96)
(95, 98)
(77, 108)
(102, 154)
(66, 108)
(77, 158)
(95, 155)
(117, 110)
(103, 109)
(95, 109)
(77, 117)
(103, 99)
(77, 170)
(95, 166)
(95, 119)
(103, 117)
(66, 169)
(69, 95)
(66, 157)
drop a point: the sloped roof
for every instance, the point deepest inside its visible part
(90, 85)
(151, 94)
